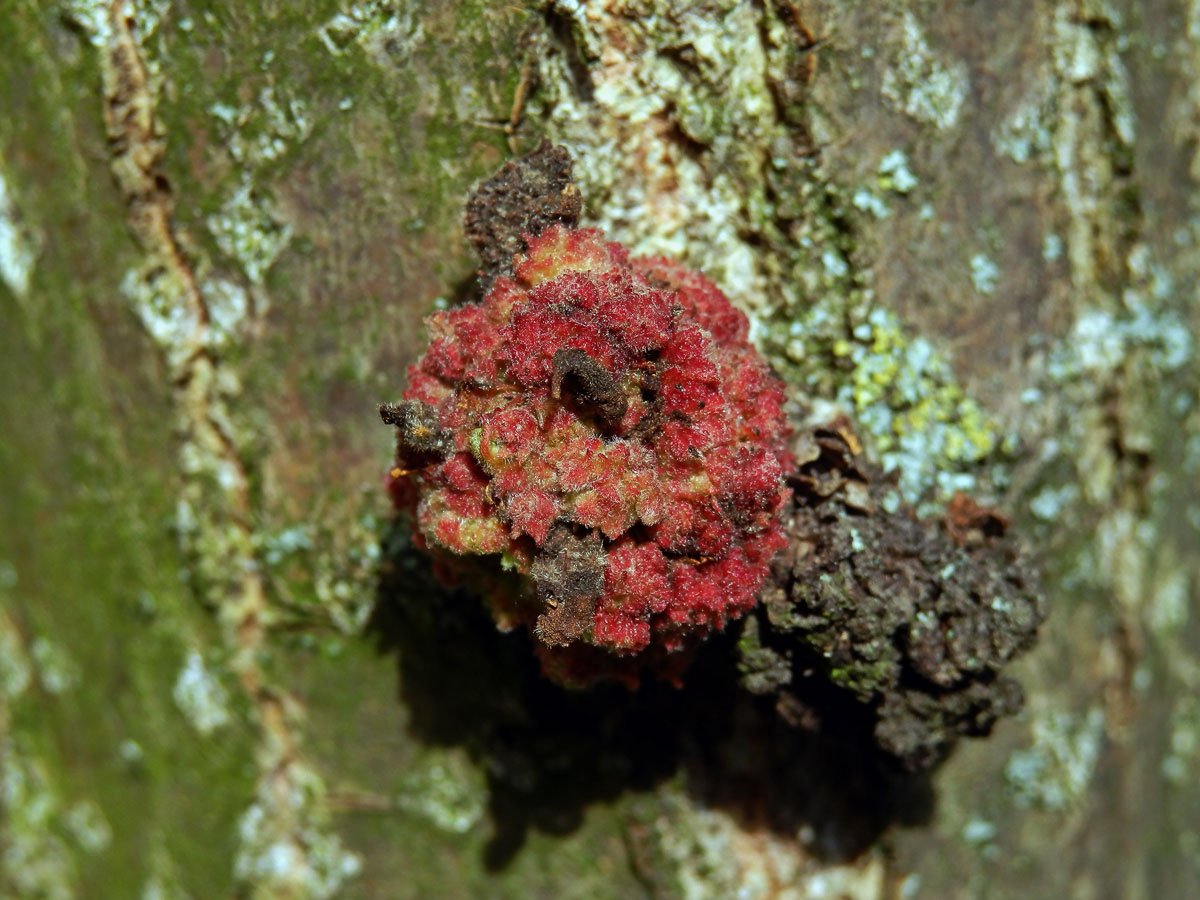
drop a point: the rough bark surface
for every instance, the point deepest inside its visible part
(972, 228)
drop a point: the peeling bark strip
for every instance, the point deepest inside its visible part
(283, 825)
(137, 155)
(136, 149)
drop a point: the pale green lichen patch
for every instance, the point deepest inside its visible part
(984, 273)
(1100, 341)
(1054, 772)
(36, 861)
(250, 126)
(866, 200)
(1170, 601)
(979, 832)
(281, 545)
(1143, 343)
(919, 81)
(708, 855)
(250, 230)
(895, 174)
(444, 788)
(1026, 133)
(56, 671)
(19, 244)
(345, 572)
(389, 32)
(285, 844)
(229, 308)
(92, 16)
(265, 129)
(696, 843)
(1052, 500)
(325, 575)
(87, 825)
(200, 696)
(155, 296)
(146, 17)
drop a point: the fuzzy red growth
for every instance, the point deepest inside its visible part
(614, 396)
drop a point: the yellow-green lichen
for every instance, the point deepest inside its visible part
(920, 421)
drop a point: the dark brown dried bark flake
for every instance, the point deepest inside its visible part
(915, 618)
(525, 197)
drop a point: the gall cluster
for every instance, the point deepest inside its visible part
(598, 428)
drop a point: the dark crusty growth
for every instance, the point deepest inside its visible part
(526, 196)
(916, 618)
(569, 574)
(579, 377)
(419, 438)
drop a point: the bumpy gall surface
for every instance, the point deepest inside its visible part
(600, 426)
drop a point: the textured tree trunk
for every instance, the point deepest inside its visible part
(973, 227)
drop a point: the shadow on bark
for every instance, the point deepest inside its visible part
(549, 752)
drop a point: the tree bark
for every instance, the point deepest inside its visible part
(973, 228)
